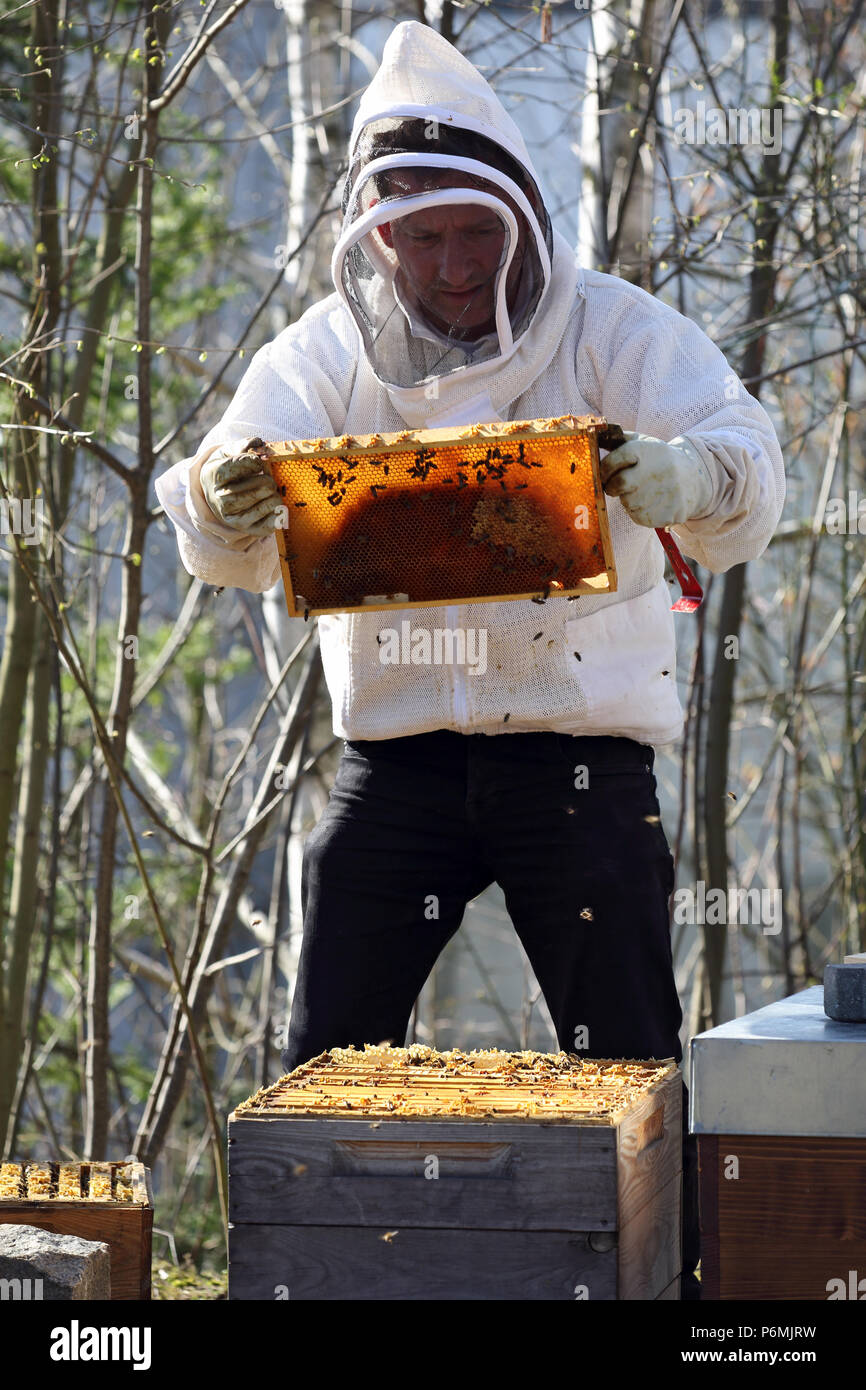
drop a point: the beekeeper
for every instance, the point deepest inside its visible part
(456, 301)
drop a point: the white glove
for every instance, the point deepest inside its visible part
(240, 492)
(658, 484)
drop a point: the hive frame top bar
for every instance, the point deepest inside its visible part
(136, 1181)
(503, 1104)
(555, 428)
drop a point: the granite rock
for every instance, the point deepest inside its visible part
(37, 1264)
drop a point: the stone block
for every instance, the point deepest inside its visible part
(36, 1264)
(845, 992)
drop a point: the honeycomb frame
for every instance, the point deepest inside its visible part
(422, 518)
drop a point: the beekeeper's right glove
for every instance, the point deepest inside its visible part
(241, 492)
(659, 484)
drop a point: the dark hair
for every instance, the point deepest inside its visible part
(410, 136)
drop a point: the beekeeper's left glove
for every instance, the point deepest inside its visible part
(240, 491)
(658, 484)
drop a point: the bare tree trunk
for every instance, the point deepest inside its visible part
(313, 63)
(99, 952)
(169, 1082)
(762, 291)
(615, 212)
(110, 253)
(48, 116)
(22, 901)
(138, 520)
(46, 894)
(23, 476)
(14, 674)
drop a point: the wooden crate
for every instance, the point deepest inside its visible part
(111, 1202)
(778, 1101)
(407, 1174)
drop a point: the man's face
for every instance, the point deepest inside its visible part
(449, 256)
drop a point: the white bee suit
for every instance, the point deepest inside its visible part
(576, 342)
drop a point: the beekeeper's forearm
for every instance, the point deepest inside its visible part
(749, 474)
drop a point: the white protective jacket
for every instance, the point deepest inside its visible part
(592, 344)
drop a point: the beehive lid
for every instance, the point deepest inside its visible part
(784, 1069)
(511, 509)
(420, 1083)
(55, 1184)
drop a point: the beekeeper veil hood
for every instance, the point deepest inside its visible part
(446, 246)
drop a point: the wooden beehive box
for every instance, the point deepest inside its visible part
(394, 1173)
(778, 1102)
(417, 518)
(111, 1202)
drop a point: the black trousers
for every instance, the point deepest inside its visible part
(569, 827)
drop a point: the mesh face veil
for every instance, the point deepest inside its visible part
(443, 258)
